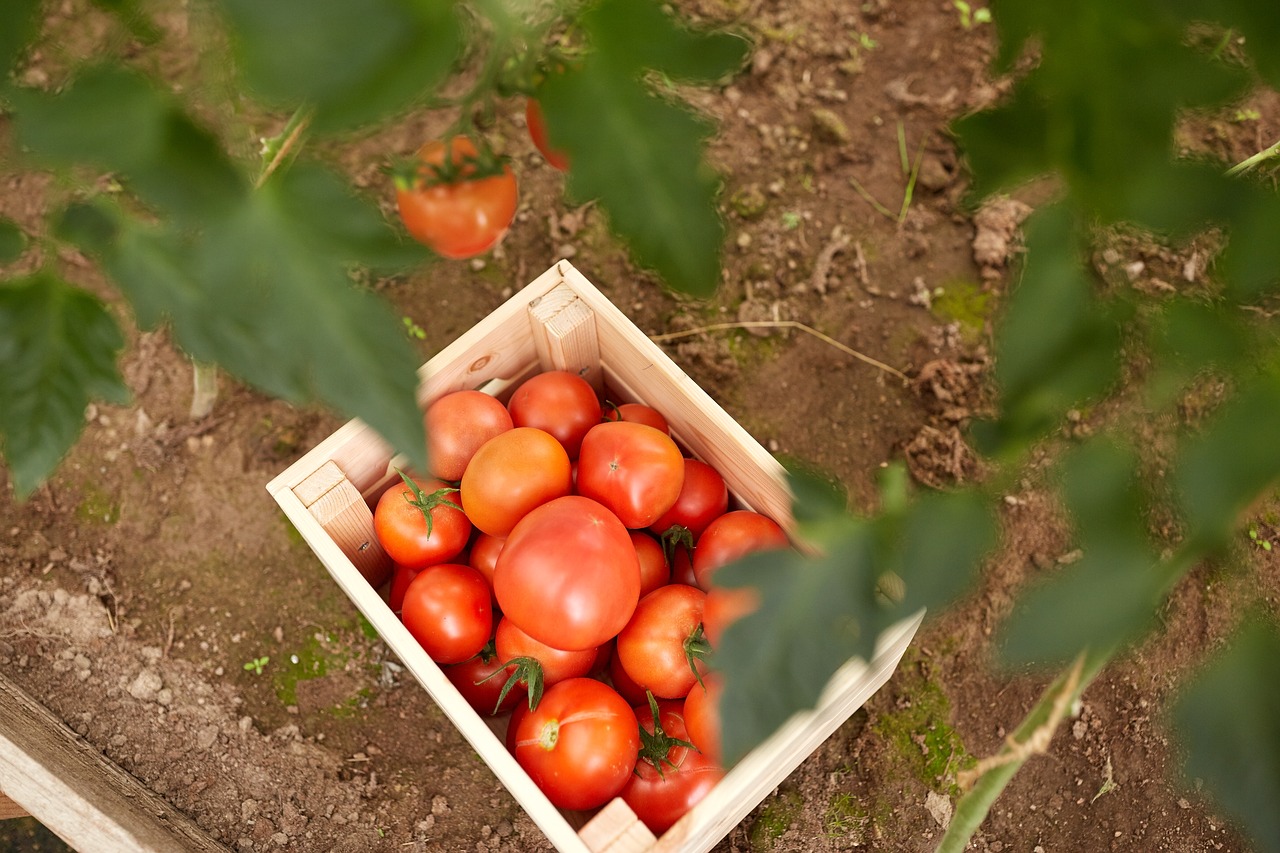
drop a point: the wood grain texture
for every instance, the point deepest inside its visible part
(564, 334)
(345, 515)
(79, 794)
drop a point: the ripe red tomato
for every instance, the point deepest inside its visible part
(561, 403)
(733, 535)
(446, 609)
(638, 413)
(682, 566)
(580, 744)
(568, 574)
(457, 424)
(633, 469)
(480, 679)
(483, 556)
(538, 133)
(662, 647)
(624, 683)
(463, 216)
(654, 571)
(419, 522)
(702, 715)
(669, 778)
(535, 664)
(723, 607)
(512, 473)
(703, 498)
(401, 577)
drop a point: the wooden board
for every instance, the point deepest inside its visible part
(79, 794)
(561, 321)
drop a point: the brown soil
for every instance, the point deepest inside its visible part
(154, 567)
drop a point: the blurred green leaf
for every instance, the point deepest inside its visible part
(264, 292)
(120, 122)
(353, 62)
(58, 347)
(818, 494)
(638, 35)
(19, 22)
(1228, 716)
(640, 155)
(1223, 470)
(13, 241)
(944, 536)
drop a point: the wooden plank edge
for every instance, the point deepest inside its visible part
(9, 809)
(79, 794)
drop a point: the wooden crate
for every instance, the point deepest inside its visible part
(562, 322)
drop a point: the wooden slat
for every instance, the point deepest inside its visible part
(616, 829)
(341, 510)
(79, 794)
(564, 333)
(10, 809)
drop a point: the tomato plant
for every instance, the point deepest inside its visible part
(538, 133)
(457, 424)
(536, 665)
(446, 609)
(733, 535)
(561, 403)
(568, 574)
(671, 775)
(580, 744)
(458, 202)
(633, 469)
(662, 647)
(480, 680)
(512, 473)
(418, 523)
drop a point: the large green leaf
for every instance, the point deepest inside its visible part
(637, 35)
(13, 241)
(1228, 717)
(352, 62)
(640, 155)
(18, 23)
(58, 347)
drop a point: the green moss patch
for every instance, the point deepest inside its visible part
(919, 733)
(774, 819)
(964, 302)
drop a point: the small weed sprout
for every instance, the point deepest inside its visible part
(970, 16)
(790, 220)
(257, 664)
(1260, 541)
(1246, 114)
(412, 329)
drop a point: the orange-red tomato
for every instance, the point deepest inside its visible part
(538, 133)
(703, 498)
(662, 648)
(400, 521)
(702, 715)
(512, 473)
(654, 571)
(733, 535)
(638, 413)
(457, 424)
(724, 606)
(463, 217)
(667, 784)
(633, 469)
(446, 609)
(562, 403)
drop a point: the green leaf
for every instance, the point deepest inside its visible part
(120, 122)
(13, 241)
(58, 347)
(19, 22)
(352, 62)
(637, 35)
(818, 493)
(1229, 718)
(944, 536)
(640, 155)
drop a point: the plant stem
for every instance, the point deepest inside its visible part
(1247, 164)
(204, 377)
(278, 147)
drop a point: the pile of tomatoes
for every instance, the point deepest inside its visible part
(559, 565)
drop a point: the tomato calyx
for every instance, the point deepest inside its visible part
(528, 670)
(427, 502)
(697, 648)
(656, 745)
(672, 538)
(411, 174)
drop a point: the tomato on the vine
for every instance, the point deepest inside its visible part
(568, 574)
(733, 535)
(670, 777)
(419, 522)
(580, 744)
(538, 133)
(536, 665)
(447, 610)
(662, 647)
(633, 469)
(457, 424)
(452, 205)
(559, 402)
(512, 473)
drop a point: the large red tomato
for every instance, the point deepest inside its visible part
(702, 715)
(537, 665)
(562, 403)
(446, 609)
(733, 535)
(670, 778)
(633, 469)
(480, 680)
(419, 523)
(457, 424)
(703, 498)
(638, 413)
(580, 744)
(457, 213)
(538, 133)
(512, 473)
(568, 574)
(662, 647)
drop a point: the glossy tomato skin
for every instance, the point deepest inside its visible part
(457, 424)
(538, 133)
(580, 744)
(568, 574)
(483, 556)
(660, 799)
(654, 571)
(623, 683)
(703, 498)
(480, 679)
(733, 535)
(633, 469)
(402, 529)
(561, 403)
(702, 716)
(512, 473)
(462, 218)
(557, 664)
(652, 648)
(446, 609)
(638, 413)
